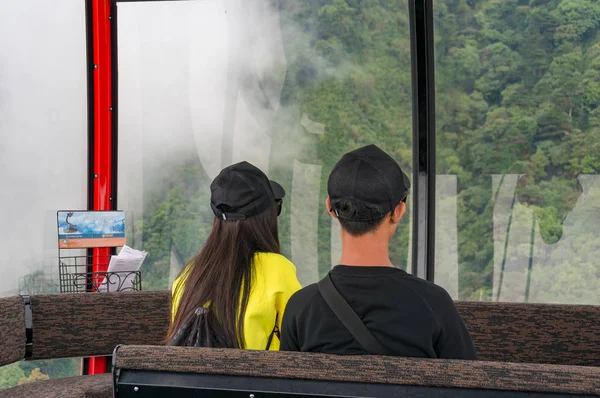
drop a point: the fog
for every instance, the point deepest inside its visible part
(200, 81)
(204, 80)
(43, 128)
(206, 74)
(197, 80)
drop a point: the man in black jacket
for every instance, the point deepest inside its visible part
(407, 316)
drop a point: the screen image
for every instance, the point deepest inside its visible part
(84, 229)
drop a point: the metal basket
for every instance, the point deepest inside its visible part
(75, 276)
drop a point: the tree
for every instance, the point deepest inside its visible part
(576, 18)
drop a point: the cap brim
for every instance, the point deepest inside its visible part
(278, 190)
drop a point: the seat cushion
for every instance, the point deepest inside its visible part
(557, 379)
(94, 386)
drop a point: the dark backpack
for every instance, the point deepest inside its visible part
(197, 331)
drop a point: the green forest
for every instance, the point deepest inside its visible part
(517, 92)
(518, 89)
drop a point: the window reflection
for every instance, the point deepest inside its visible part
(289, 86)
(517, 147)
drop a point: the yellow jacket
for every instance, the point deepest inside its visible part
(273, 284)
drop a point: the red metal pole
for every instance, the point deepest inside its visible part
(102, 200)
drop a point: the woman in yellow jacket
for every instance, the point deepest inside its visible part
(234, 292)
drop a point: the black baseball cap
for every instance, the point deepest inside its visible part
(241, 191)
(370, 177)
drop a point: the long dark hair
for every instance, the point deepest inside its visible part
(221, 274)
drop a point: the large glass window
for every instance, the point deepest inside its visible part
(518, 150)
(289, 86)
(43, 155)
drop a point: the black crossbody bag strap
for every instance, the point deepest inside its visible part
(275, 332)
(346, 314)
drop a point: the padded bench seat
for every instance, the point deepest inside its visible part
(502, 332)
(146, 370)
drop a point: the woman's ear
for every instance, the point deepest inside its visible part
(328, 205)
(398, 212)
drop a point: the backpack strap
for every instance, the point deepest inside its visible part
(275, 332)
(346, 314)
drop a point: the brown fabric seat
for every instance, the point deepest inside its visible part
(363, 369)
(12, 330)
(502, 332)
(534, 333)
(92, 324)
(80, 325)
(95, 386)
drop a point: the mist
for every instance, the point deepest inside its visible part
(43, 127)
(198, 81)
(201, 81)
(208, 70)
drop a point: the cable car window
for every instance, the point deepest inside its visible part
(518, 144)
(289, 86)
(43, 154)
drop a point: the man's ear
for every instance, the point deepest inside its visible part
(398, 212)
(328, 205)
